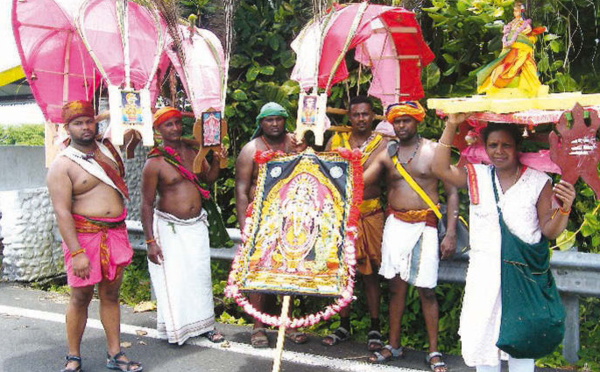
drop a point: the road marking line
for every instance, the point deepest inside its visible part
(236, 347)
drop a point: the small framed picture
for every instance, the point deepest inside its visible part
(211, 128)
(308, 115)
(131, 108)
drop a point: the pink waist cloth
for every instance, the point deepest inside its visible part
(106, 245)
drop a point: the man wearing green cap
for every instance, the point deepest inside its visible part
(270, 134)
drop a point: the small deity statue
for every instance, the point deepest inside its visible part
(515, 67)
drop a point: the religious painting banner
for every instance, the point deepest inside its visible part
(300, 229)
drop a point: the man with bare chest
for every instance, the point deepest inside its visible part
(176, 231)
(270, 135)
(410, 248)
(370, 222)
(87, 190)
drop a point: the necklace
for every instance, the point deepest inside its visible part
(269, 147)
(410, 158)
(364, 145)
(515, 179)
(517, 174)
(89, 155)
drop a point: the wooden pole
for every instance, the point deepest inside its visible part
(339, 111)
(281, 334)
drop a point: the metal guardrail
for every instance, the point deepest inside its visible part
(576, 274)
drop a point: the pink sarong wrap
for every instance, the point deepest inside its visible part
(106, 244)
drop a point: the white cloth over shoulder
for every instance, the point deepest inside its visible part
(90, 165)
(482, 303)
(410, 250)
(182, 283)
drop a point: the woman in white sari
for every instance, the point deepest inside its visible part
(525, 199)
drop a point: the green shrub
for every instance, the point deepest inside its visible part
(24, 135)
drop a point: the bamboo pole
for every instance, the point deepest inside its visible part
(339, 111)
(281, 334)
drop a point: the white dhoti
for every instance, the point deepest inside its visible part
(182, 283)
(410, 250)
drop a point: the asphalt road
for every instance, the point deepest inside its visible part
(32, 338)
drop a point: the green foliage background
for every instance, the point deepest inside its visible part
(23, 135)
(464, 35)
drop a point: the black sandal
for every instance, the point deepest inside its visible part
(341, 334)
(113, 362)
(374, 343)
(72, 358)
(214, 336)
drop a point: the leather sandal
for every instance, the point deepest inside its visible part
(259, 338)
(436, 366)
(296, 337)
(214, 336)
(378, 357)
(72, 358)
(114, 363)
(341, 334)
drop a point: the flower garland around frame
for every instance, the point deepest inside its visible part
(233, 290)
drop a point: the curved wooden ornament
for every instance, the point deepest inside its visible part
(575, 149)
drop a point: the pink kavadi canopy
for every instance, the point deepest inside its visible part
(59, 66)
(54, 59)
(387, 39)
(99, 26)
(204, 70)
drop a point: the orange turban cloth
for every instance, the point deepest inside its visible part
(410, 108)
(76, 109)
(165, 114)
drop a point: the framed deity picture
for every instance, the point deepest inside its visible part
(299, 237)
(308, 115)
(311, 116)
(131, 108)
(211, 128)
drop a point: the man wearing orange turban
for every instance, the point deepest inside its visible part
(410, 108)
(176, 229)
(410, 250)
(164, 114)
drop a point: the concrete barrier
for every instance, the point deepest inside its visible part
(31, 245)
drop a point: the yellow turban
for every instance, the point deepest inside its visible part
(165, 114)
(410, 108)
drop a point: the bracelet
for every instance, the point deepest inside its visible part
(563, 212)
(445, 144)
(81, 250)
(151, 240)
